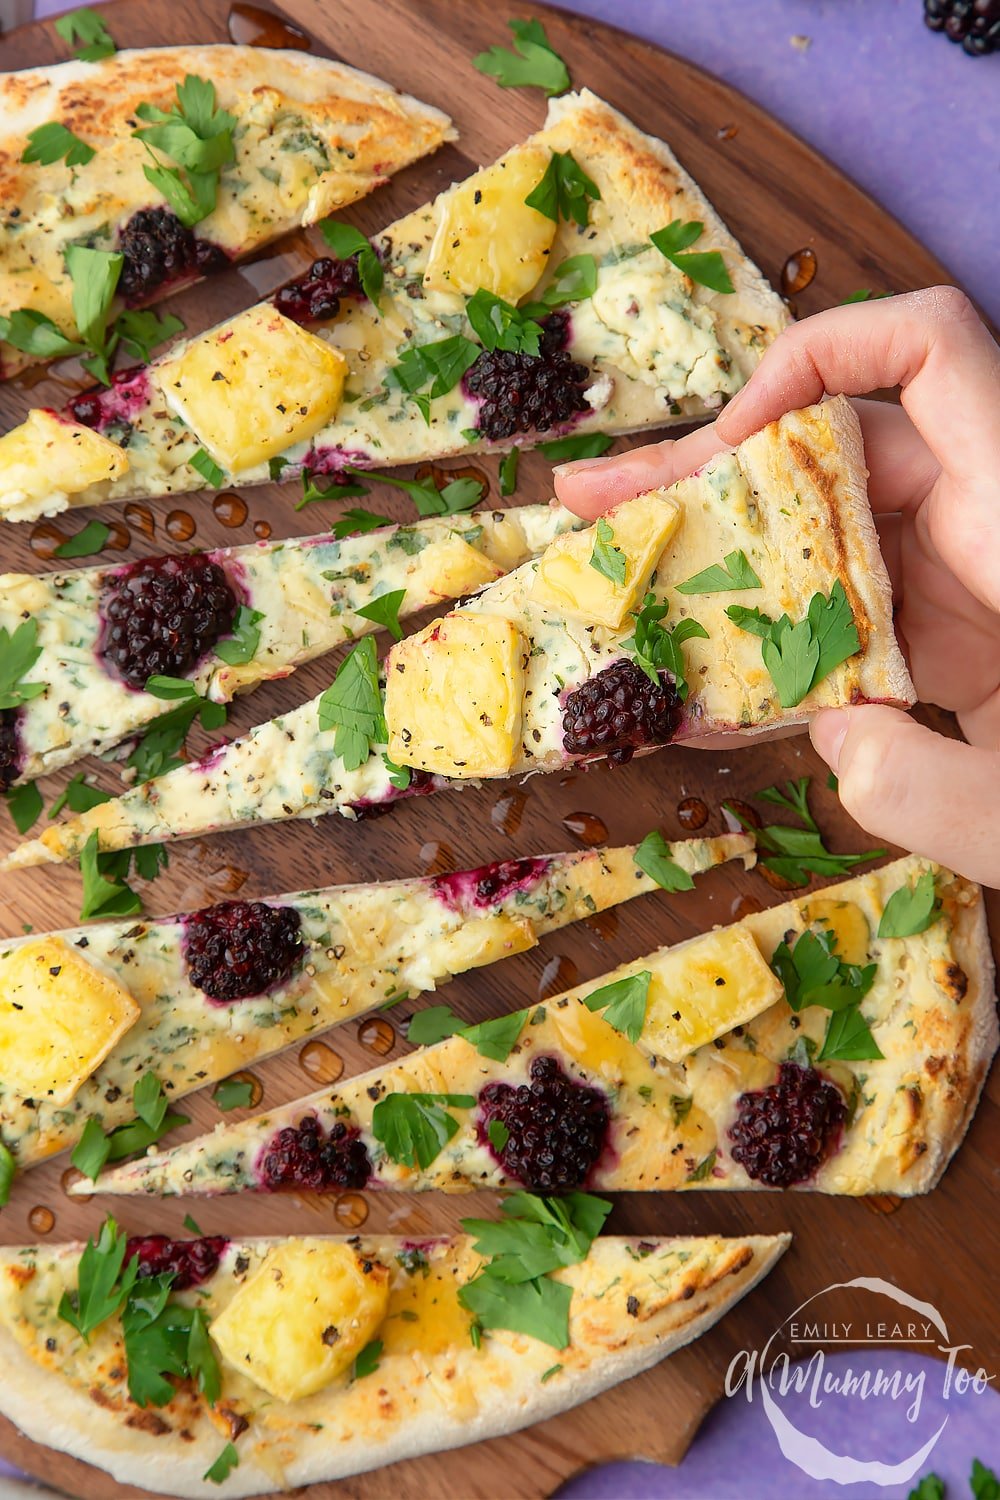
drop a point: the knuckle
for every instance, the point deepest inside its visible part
(951, 305)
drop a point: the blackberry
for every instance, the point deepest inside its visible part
(528, 392)
(619, 710)
(304, 1156)
(782, 1133)
(157, 248)
(190, 1261)
(10, 748)
(162, 616)
(241, 948)
(973, 23)
(318, 293)
(557, 1128)
(490, 884)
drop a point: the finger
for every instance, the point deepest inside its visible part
(901, 467)
(931, 343)
(593, 485)
(904, 783)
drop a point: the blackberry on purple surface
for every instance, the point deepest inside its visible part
(783, 1133)
(162, 616)
(618, 710)
(528, 392)
(241, 948)
(305, 1156)
(973, 23)
(189, 1261)
(556, 1128)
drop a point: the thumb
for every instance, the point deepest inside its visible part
(902, 782)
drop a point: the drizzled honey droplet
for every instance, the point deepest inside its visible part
(560, 973)
(230, 508)
(119, 536)
(604, 923)
(749, 814)
(378, 1035)
(745, 906)
(321, 1062)
(69, 1179)
(180, 526)
(883, 1203)
(44, 540)
(507, 811)
(587, 828)
(262, 530)
(727, 132)
(256, 1087)
(141, 519)
(798, 271)
(351, 1210)
(435, 858)
(41, 1220)
(252, 26)
(692, 813)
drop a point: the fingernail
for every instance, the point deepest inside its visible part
(579, 464)
(828, 731)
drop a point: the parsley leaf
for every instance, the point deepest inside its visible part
(414, 1128)
(799, 656)
(141, 331)
(102, 897)
(158, 750)
(500, 325)
(384, 611)
(495, 1039)
(161, 686)
(54, 142)
(812, 974)
(165, 1338)
(358, 522)
(85, 542)
(848, 1037)
(7, 1173)
(654, 859)
(734, 573)
(931, 1487)
(457, 495)
(153, 1120)
(204, 464)
(538, 1308)
(565, 191)
(656, 649)
(983, 1482)
(18, 653)
(606, 558)
(78, 796)
(574, 280)
(94, 274)
(25, 805)
(344, 240)
(703, 1169)
(706, 267)
(399, 776)
(101, 1284)
(352, 706)
(239, 648)
(443, 363)
(233, 1093)
(532, 65)
(86, 26)
(864, 294)
(198, 136)
(432, 1025)
(623, 1002)
(508, 472)
(34, 333)
(497, 1134)
(227, 1461)
(911, 909)
(313, 491)
(367, 1359)
(797, 853)
(581, 445)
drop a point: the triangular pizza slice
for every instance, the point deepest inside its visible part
(836, 1043)
(537, 299)
(231, 1367)
(90, 1015)
(742, 598)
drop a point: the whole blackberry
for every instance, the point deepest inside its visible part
(974, 23)
(162, 616)
(304, 1156)
(241, 948)
(782, 1133)
(317, 294)
(10, 748)
(619, 710)
(157, 248)
(528, 392)
(557, 1128)
(190, 1261)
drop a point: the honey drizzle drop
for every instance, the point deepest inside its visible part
(230, 508)
(560, 973)
(41, 1220)
(378, 1035)
(252, 26)
(180, 526)
(119, 537)
(262, 530)
(587, 828)
(44, 540)
(798, 271)
(351, 1210)
(321, 1062)
(508, 810)
(692, 813)
(141, 519)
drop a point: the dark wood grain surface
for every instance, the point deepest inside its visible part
(779, 197)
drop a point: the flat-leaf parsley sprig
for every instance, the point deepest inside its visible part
(794, 854)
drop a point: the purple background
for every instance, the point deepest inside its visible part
(916, 123)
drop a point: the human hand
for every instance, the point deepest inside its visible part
(934, 485)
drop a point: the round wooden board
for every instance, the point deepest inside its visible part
(778, 196)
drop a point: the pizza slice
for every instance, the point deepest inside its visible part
(836, 1043)
(742, 598)
(217, 1366)
(182, 1002)
(552, 292)
(253, 613)
(179, 160)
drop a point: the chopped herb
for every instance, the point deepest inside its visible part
(500, 325)
(165, 1338)
(848, 1037)
(734, 573)
(983, 1482)
(384, 611)
(158, 750)
(552, 1370)
(706, 267)
(533, 63)
(812, 974)
(796, 853)
(565, 191)
(703, 1169)
(54, 142)
(241, 646)
(18, 653)
(433, 1025)
(574, 280)
(192, 1224)
(367, 1361)
(430, 500)
(206, 466)
(911, 909)
(233, 1093)
(102, 897)
(78, 797)
(94, 274)
(25, 805)
(85, 25)
(312, 491)
(7, 1171)
(864, 294)
(800, 656)
(508, 472)
(227, 1461)
(497, 1134)
(582, 445)
(399, 776)
(34, 333)
(141, 331)
(344, 240)
(359, 521)
(606, 558)
(414, 1128)
(443, 363)
(85, 542)
(654, 859)
(101, 1283)
(198, 136)
(656, 649)
(352, 706)
(495, 1039)
(623, 1002)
